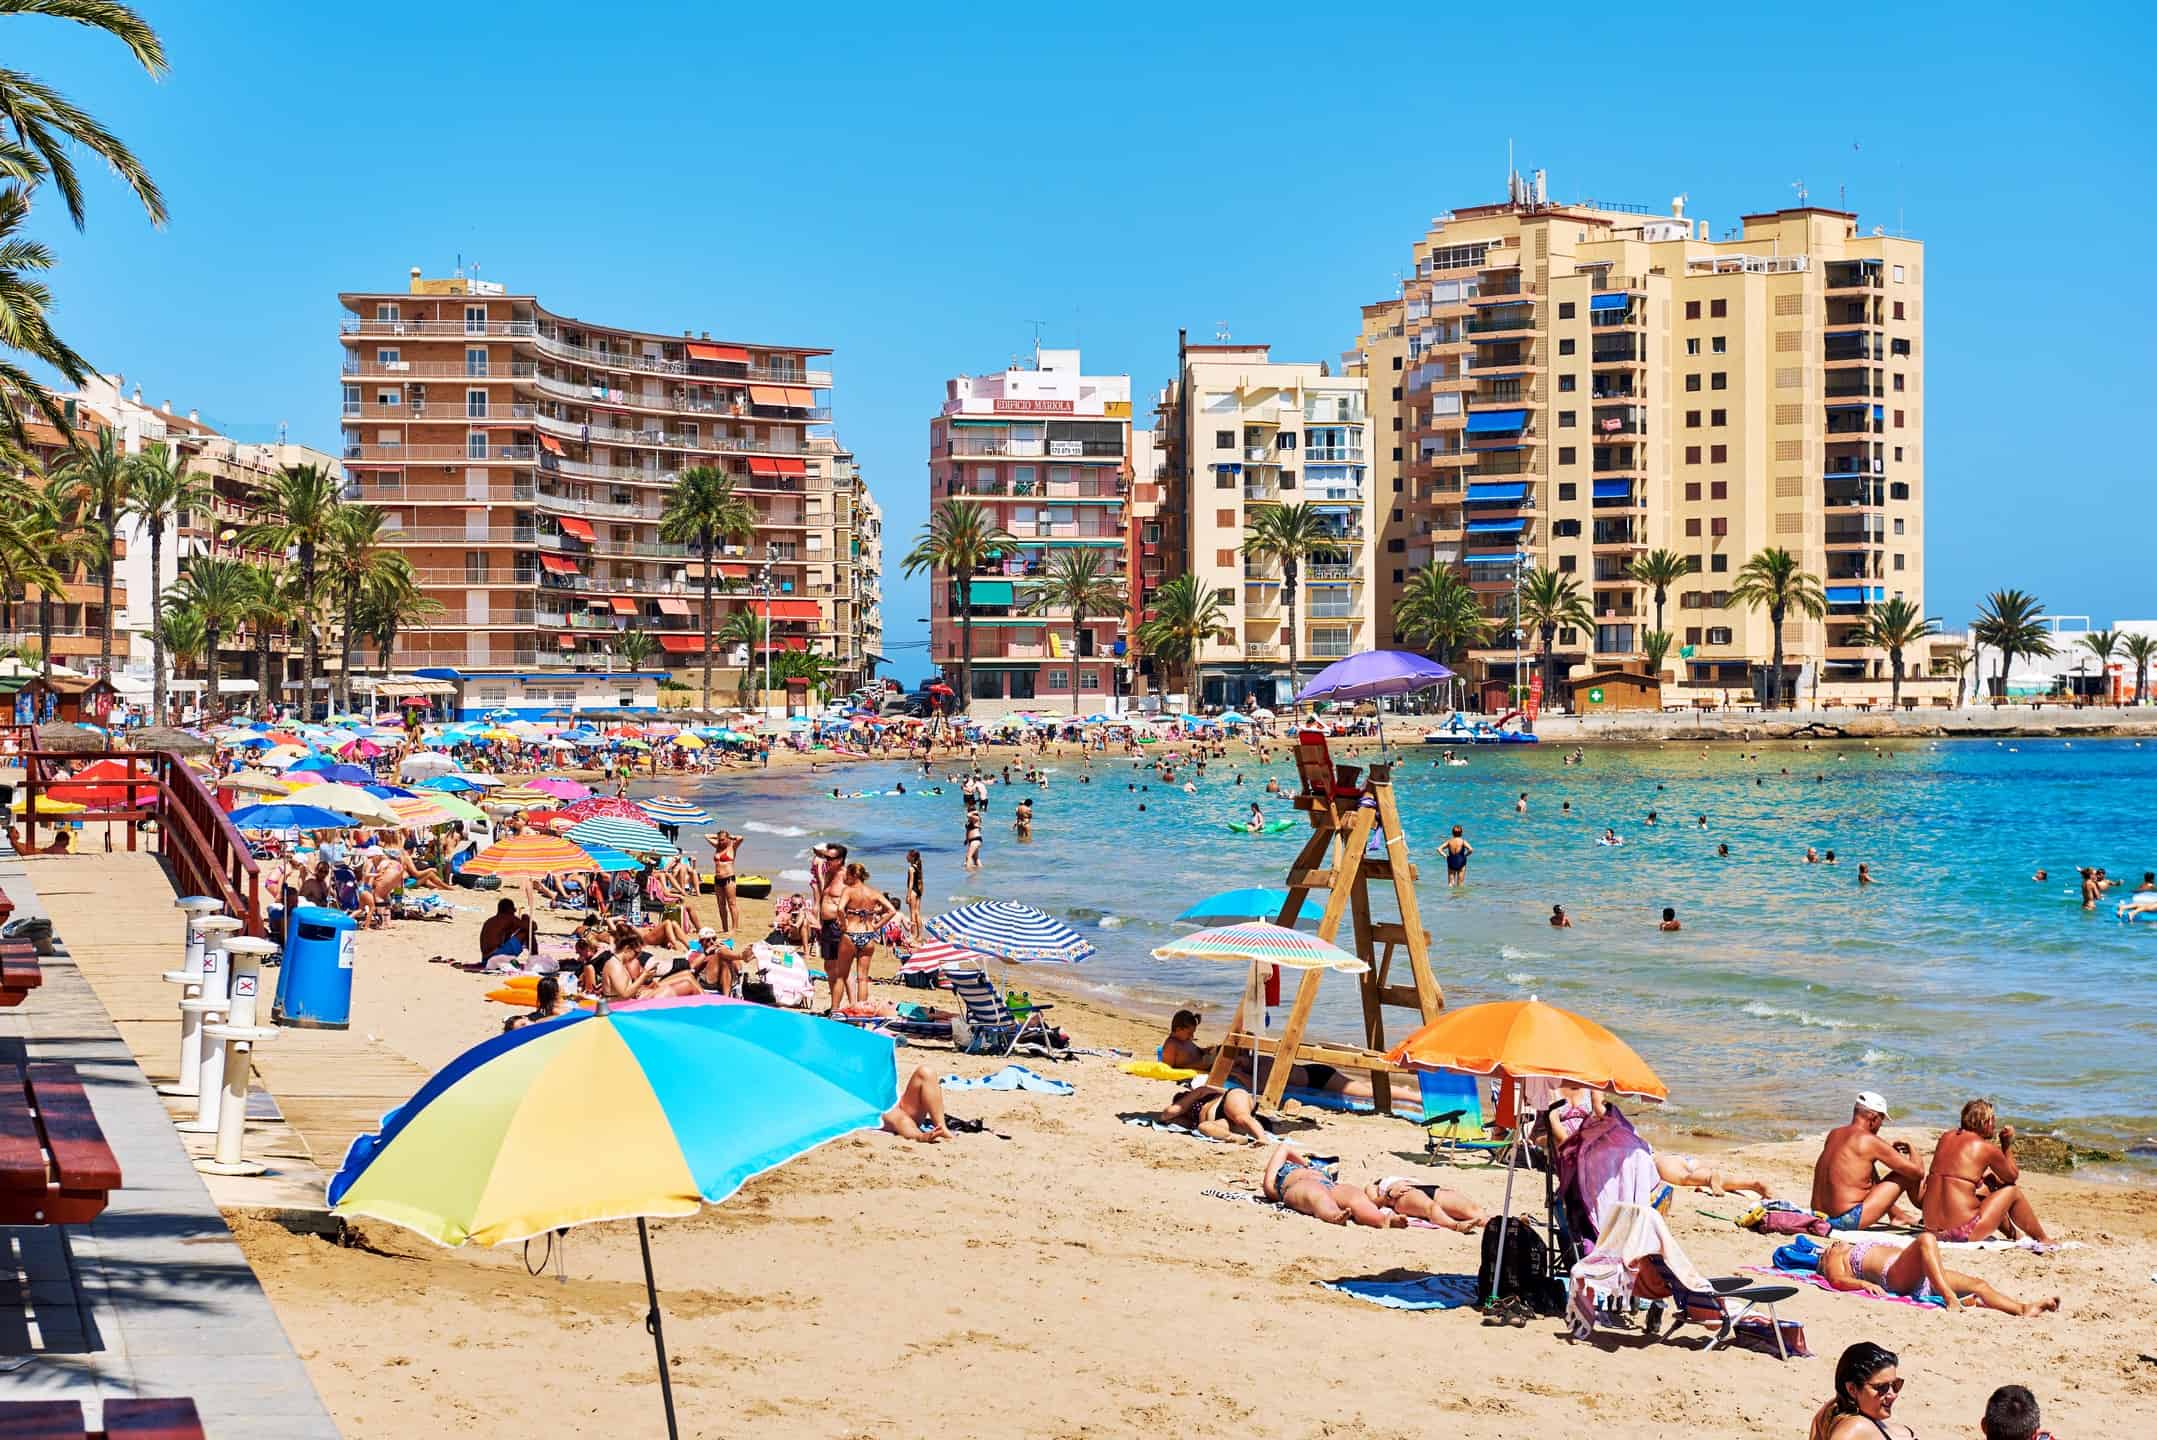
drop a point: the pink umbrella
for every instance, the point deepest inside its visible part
(359, 747)
(606, 805)
(562, 789)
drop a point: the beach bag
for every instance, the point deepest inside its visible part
(1524, 1271)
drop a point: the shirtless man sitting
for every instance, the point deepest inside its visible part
(1972, 1190)
(1847, 1185)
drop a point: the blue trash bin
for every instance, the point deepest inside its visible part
(314, 985)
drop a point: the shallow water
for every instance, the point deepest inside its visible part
(1788, 989)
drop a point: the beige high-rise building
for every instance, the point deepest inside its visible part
(525, 458)
(1242, 432)
(1585, 383)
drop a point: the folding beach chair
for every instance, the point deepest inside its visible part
(1724, 1307)
(1637, 1258)
(1453, 1124)
(992, 1029)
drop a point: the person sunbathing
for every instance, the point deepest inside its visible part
(919, 1115)
(1181, 1049)
(1685, 1170)
(631, 975)
(1847, 1184)
(1434, 1204)
(659, 933)
(1973, 1189)
(1289, 1177)
(1884, 1267)
(1215, 1113)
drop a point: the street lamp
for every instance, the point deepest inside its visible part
(771, 558)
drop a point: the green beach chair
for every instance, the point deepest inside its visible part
(1457, 1135)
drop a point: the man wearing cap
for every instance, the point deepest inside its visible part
(1847, 1184)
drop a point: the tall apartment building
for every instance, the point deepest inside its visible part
(1047, 450)
(525, 456)
(869, 576)
(79, 620)
(1583, 383)
(1243, 432)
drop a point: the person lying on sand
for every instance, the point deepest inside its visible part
(1290, 1177)
(1685, 1170)
(919, 1115)
(1435, 1204)
(1972, 1190)
(1847, 1184)
(1885, 1267)
(1218, 1114)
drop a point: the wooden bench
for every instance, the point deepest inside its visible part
(125, 1419)
(19, 972)
(55, 1167)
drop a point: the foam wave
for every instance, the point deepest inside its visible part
(1519, 977)
(1765, 1011)
(1516, 954)
(1111, 922)
(799, 877)
(758, 827)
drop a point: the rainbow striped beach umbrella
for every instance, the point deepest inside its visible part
(694, 1098)
(1010, 931)
(637, 837)
(529, 856)
(666, 810)
(1259, 942)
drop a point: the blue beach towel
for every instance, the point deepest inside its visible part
(1011, 1077)
(1400, 1290)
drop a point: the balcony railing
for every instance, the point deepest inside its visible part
(549, 499)
(656, 365)
(442, 454)
(1332, 571)
(1323, 454)
(1498, 324)
(522, 329)
(458, 535)
(395, 493)
(1615, 349)
(369, 367)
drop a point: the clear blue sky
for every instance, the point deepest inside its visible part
(914, 187)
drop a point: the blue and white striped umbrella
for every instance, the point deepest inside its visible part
(666, 810)
(633, 836)
(1011, 931)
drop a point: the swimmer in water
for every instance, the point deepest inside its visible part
(2039, 877)
(1565, 807)
(1257, 822)
(1812, 856)
(1703, 822)
(1520, 806)
(1559, 920)
(1610, 837)
(1456, 851)
(1864, 873)
(1670, 919)
(1722, 850)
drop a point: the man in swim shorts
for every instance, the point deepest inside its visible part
(1847, 1184)
(1456, 851)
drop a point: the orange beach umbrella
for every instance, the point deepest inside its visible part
(529, 856)
(1526, 1039)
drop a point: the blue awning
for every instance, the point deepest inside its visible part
(1854, 594)
(1495, 527)
(1489, 490)
(1613, 489)
(1506, 559)
(1234, 469)
(1492, 422)
(1609, 302)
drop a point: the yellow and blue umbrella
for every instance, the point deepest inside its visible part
(695, 1098)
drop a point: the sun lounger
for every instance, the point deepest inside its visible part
(1636, 1257)
(991, 1027)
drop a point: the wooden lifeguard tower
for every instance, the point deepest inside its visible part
(1345, 817)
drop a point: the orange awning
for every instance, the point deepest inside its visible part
(551, 443)
(764, 465)
(734, 572)
(681, 644)
(670, 606)
(622, 605)
(558, 564)
(567, 642)
(771, 395)
(789, 609)
(581, 529)
(724, 354)
(796, 395)
(792, 642)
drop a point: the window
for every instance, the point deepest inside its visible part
(988, 684)
(390, 357)
(385, 312)
(1224, 439)
(1152, 532)
(475, 319)
(1396, 362)
(1396, 452)
(475, 404)
(1567, 455)
(1565, 347)
(389, 399)
(1223, 478)
(1898, 454)
(1692, 345)
(1717, 309)
(1565, 529)
(1226, 519)
(1396, 482)
(1898, 274)
(1898, 309)
(1692, 528)
(1225, 596)
(1566, 384)
(1692, 383)
(352, 400)
(1692, 419)
(1720, 380)
(1566, 419)
(1898, 347)
(1692, 634)
(1718, 489)
(1399, 576)
(1718, 455)
(1565, 309)
(475, 445)
(475, 361)
(1718, 564)
(1692, 454)
(1719, 417)
(1898, 562)
(1718, 634)
(1898, 490)
(1720, 345)
(1898, 380)
(1692, 490)
(1566, 564)
(1898, 419)
(1396, 546)
(1056, 679)
(1288, 479)
(1692, 309)
(1719, 525)
(1898, 524)
(1226, 559)
(1567, 490)
(1396, 422)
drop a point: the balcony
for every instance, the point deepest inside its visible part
(396, 492)
(556, 500)
(1853, 275)
(1613, 387)
(1840, 347)
(370, 368)
(459, 535)
(457, 411)
(1331, 570)
(1261, 573)
(1626, 349)
(1262, 650)
(1629, 420)
(1326, 454)
(1510, 323)
(550, 344)
(1864, 530)
(1859, 385)
(1258, 490)
(441, 454)
(518, 329)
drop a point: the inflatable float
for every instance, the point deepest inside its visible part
(1272, 827)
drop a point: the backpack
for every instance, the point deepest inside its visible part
(1524, 1271)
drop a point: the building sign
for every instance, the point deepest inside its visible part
(1535, 697)
(1117, 409)
(1033, 407)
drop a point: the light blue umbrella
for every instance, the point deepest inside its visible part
(290, 817)
(1011, 931)
(1232, 718)
(609, 861)
(449, 784)
(1256, 903)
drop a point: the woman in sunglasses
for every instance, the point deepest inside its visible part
(1865, 1389)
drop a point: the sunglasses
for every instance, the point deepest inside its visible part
(1885, 1387)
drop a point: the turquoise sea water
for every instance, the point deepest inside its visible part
(1788, 989)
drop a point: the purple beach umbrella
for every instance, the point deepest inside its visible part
(1372, 674)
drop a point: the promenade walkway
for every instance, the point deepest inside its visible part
(154, 1297)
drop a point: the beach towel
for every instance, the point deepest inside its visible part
(1819, 1282)
(1147, 1122)
(1011, 1077)
(1155, 1070)
(1403, 1290)
(1998, 1242)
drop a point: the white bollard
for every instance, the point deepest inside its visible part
(237, 1038)
(189, 978)
(218, 931)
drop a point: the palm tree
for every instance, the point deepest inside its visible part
(1550, 601)
(302, 503)
(1186, 614)
(702, 510)
(1774, 581)
(70, 541)
(1077, 580)
(1659, 570)
(1655, 646)
(1438, 611)
(2011, 622)
(25, 302)
(1961, 659)
(391, 603)
(1290, 534)
(219, 592)
(268, 610)
(95, 482)
(356, 558)
(163, 489)
(745, 628)
(2103, 644)
(961, 539)
(48, 124)
(26, 562)
(177, 632)
(636, 647)
(804, 665)
(2141, 649)
(1894, 626)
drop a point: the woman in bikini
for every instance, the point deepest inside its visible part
(1866, 1387)
(1288, 1176)
(915, 885)
(1215, 1113)
(723, 846)
(864, 912)
(1432, 1204)
(1886, 1267)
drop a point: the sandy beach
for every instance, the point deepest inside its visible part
(1065, 1275)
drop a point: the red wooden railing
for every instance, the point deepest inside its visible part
(206, 853)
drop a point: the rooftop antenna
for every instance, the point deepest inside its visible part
(1220, 332)
(1799, 186)
(1037, 324)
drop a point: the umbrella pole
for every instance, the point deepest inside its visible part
(1505, 1223)
(651, 1323)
